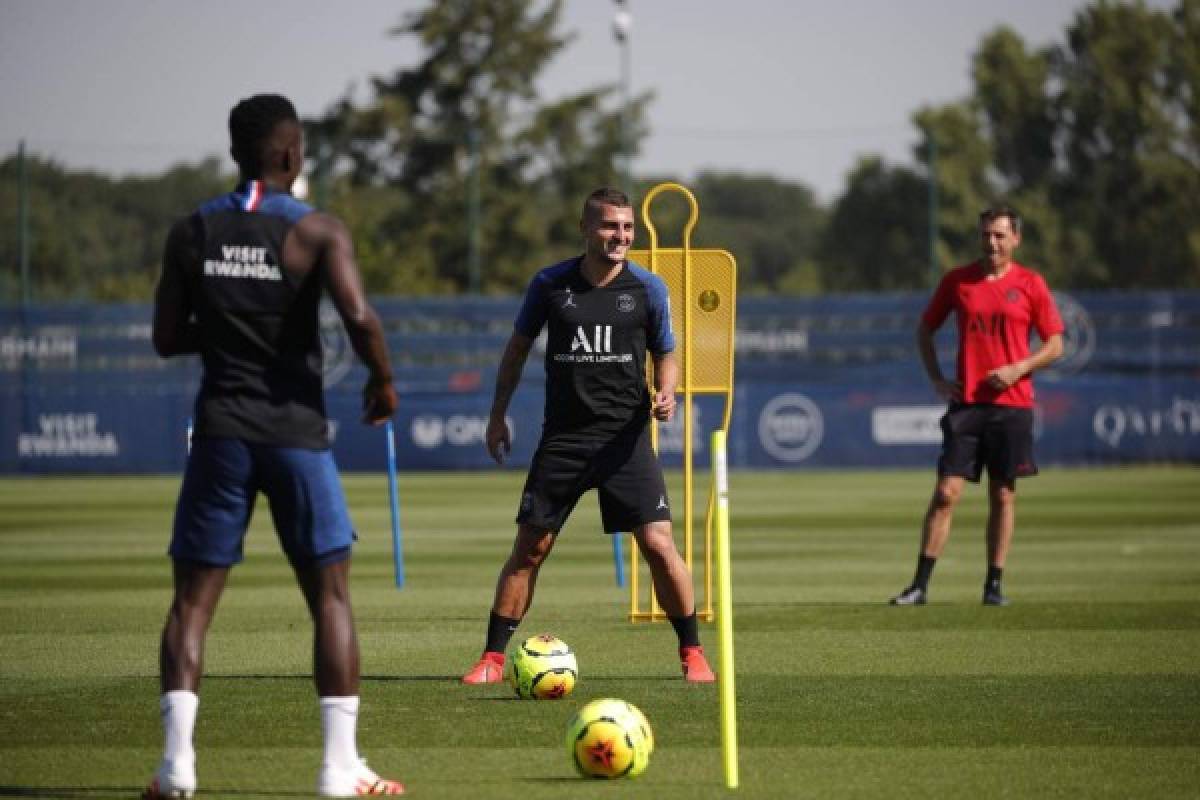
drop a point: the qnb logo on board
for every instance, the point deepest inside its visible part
(790, 427)
(1114, 424)
(431, 431)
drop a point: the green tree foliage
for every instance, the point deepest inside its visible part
(1018, 114)
(772, 227)
(92, 236)
(1095, 140)
(879, 232)
(1129, 121)
(471, 100)
(962, 168)
(876, 238)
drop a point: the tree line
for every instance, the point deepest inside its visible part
(457, 176)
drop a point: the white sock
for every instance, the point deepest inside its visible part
(339, 721)
(178, 708)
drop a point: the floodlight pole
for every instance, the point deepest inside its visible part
(321, 172)
(934, 271)
(473, 211)
(26, 291)
(23, 224)
(622, 27)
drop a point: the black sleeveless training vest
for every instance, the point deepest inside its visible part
(259, 326)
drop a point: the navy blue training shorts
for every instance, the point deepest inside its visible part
(979, 435)
(223, 478)
(623, 469)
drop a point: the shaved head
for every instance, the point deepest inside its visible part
(263, 130)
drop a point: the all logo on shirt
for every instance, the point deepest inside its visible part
(592, 346)
(601, 343)
(987, 324)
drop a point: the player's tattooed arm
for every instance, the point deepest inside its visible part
(499, 440)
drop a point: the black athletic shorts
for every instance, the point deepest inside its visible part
(979, 434)
(623, 469)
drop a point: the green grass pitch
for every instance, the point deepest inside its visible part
(1087, 686)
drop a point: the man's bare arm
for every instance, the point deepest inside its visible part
(666, 380)
(508, 377)
(1003, 377)
(342, 279)
(174, 331)
(951, 391)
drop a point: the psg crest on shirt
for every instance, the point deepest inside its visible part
(625, 302)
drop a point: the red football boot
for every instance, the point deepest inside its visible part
(695, 666)
(489, 669)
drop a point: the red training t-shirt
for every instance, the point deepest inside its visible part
(994, 320)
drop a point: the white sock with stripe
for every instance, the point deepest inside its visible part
(339, 721)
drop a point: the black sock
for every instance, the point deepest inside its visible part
(686, 630)
(994, 574)
(924, 572)
(500, 630)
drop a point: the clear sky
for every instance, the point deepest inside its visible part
(795, 88)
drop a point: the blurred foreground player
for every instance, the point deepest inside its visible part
(989, 422)
(241, 281)
(602, 314)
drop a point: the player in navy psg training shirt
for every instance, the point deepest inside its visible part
(596, 342)
(602, 314)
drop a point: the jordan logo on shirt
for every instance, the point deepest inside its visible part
(570, 301)
(662, 503)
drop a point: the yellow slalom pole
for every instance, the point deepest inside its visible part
(725, 616)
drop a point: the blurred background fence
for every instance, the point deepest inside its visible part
(821, 382)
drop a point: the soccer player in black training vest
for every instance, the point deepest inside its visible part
(602, 314)
(241, 280)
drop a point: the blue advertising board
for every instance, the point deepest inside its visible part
(820, 383)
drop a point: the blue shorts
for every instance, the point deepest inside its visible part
(223, 478)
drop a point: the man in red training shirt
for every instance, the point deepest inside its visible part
(989, 422)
